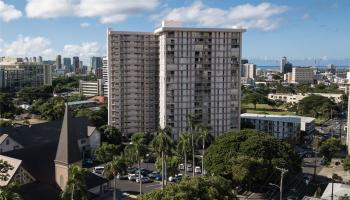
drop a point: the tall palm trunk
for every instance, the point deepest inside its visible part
(192, 154)
(162, 169)
(72, 193)
(203, 145)
(139, 166)
(185, 164)
(114, 187)
(165, 170)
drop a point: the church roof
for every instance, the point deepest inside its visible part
(68, 150)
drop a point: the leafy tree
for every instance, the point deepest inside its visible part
(228, 149)
(329, 147)
(316, 106)
(172, 164)
(136, 151)
(195, 188)
(52, 109)
(76, 97)
(9, 191)
(346, 163)
(98, 118)
(162, 144)
(111, 135)
(116, 166)
(7, 108)
(254, 98)
(203, 137)
(105, 152)
(184, 147)
(29, 94)
(345, 197)
(76, 185)
(193, 122)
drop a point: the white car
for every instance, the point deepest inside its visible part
(181, 167)
(197, 170)
(98, 169)
(132, 177)
(189, 168)
(143, 179)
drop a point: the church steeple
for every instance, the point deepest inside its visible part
(67, 151)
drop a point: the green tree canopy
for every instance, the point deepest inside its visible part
(195, 188)
(316, 106)
(105, 152)
(329, 148)
(254, 98)
(224, 155)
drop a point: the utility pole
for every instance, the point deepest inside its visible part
(283, 171)
(332, 188)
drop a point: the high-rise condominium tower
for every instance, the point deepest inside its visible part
(199, 74)
(133, 81)
(158, 79)
(76, 63)
(58, 62)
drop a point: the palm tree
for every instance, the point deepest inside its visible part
(9, 192)
(162, 144)
(136, 150)
(203, 135)
(76, 184)
(113, 168)
(192, 124)
(184, 146)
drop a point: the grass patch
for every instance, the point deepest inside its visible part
(266, 109)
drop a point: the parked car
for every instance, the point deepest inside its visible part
(153, 175)
(122, 177)
(144, 180)
(98, 170)
(197, 170)
(181, 167)
(133, 177)
(175, 178)
(189, 168)
(158, 177)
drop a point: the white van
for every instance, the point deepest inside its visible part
(98, 169)
(197, 170)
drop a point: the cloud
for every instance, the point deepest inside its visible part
(108, 11)
(8, 12)
(85, 25)
(26, 46)
(83, 50)
(306, 16)
(261, 16)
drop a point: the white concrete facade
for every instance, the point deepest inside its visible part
(133, 67)
(295, 98)
(281, 126)
(199, 74)
(303, 75)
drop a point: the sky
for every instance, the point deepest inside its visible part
(308, 32)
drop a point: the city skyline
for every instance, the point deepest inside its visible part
(274, 28)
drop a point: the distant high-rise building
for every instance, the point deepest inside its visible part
(331, 68)
(58, 62)
(34, 59)
(199, 74)
(249, 70)
(75, 63)
(285, 66)
(96, 66)
(67, 63)
(81, 66)
(133, 81)
(40, 59)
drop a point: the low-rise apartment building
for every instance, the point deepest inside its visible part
(281, 126)
(91, 88)
(295, 98)
(15, 74)
(302, 75)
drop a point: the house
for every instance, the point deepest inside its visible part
(38, 134)
(8, 144)
(41, 170)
